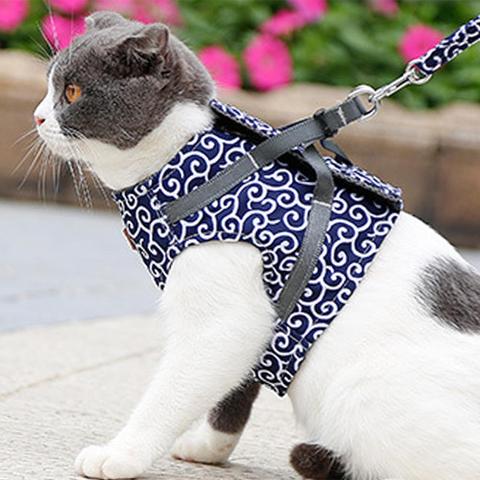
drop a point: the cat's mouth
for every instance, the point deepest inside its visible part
(60, 145)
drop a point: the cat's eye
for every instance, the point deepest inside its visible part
(72, 93)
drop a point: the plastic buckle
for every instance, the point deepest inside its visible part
(319, 115)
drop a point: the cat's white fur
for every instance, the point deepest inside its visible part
(386, 387)
(121, 168)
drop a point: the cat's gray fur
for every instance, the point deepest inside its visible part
(132, 73)
(451, 292)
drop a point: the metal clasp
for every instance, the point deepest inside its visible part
(363, 90)
(412, 76)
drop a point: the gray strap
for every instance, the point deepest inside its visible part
(325, 123)
(314, 237)
(306, 132)
(211, 190)
(340, 116)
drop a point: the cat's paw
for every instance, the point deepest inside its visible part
(109, 463)
(204, 445)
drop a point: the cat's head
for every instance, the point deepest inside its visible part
(114, 87)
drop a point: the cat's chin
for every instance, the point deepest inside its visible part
(121, 168)
(60, 146)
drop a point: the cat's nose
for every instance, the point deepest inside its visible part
(38, 120)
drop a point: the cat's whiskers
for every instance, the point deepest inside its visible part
(29, 149)
(56, 174)
(81, 157)
(54, 27)
(47, 55)
(41, 180)
(83, 192)
(40, 148)
(96, 180)
(53, 163)
(84, 184)
(29, 132)
(75, 181)
(74, 163)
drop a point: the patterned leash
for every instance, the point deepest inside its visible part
(420, 71)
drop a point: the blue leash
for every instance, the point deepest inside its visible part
(450, 47)
(420, 71)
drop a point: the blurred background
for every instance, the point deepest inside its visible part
(63, 256)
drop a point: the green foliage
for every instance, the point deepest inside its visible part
(350, 45)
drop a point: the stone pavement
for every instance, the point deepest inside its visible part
(66, 386)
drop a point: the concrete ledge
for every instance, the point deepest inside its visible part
(433, 155)
(65, 387)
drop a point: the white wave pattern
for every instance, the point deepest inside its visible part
(450, 47)
(269, 209)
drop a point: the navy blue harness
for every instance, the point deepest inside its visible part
(270, 210)
(318, 228)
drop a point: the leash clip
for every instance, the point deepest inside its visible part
(412, 76)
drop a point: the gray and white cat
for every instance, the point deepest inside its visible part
(391, 390)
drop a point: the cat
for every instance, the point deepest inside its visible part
(390, 390)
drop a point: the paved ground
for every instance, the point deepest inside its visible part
(66, 386)
(65, 382)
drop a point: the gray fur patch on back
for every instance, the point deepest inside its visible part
(130, 74)
(451, 293)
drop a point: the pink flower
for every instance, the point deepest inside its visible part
(385, 7)
(222, 66)
(311, 10)
(283, 22)
(60, 31)
(12, 14)
(268, 62)
(69, 6)
(149, 11)
(418, 40)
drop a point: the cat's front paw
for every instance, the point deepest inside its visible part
(108, 463)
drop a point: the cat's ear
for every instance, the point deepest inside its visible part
(100, 20)
(143, 51)
(151, 40)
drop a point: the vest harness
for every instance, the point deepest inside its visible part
(316, 248)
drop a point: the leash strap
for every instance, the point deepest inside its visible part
(450, 47)
(420, 71)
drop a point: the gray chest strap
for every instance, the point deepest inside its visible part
(322, 125)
